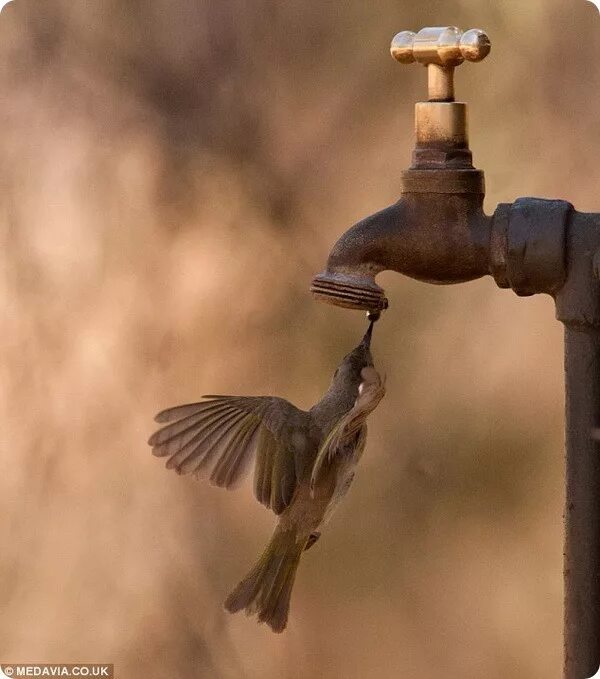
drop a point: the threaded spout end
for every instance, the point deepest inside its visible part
(349, 292)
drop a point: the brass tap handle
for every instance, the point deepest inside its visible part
(441, 50)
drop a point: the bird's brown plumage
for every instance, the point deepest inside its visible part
(303, 465)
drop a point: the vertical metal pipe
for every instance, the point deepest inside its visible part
(582, 508)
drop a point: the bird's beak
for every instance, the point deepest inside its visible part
(366, 340)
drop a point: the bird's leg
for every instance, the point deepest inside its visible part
(312, 539)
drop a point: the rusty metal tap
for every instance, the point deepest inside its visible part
(438, 233)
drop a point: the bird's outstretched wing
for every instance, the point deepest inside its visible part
(350, 433)
(221, 435)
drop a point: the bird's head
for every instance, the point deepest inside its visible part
(347, 376)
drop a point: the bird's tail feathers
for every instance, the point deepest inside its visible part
(267, 588)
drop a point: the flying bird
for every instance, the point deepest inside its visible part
(304, 463)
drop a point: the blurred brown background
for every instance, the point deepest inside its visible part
(173, 174)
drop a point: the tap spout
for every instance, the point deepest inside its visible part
(439, 236)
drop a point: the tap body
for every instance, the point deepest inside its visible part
(437, 238)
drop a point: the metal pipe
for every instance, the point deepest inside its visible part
(582, 503)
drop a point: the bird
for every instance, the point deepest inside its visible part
(304, 463)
